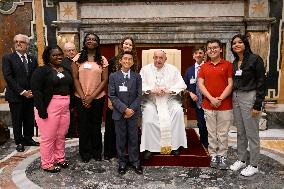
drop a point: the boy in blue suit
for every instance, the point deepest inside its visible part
(125, 90)
(195, 94)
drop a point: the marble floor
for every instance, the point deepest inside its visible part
(22, 170)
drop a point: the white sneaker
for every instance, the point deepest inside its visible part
(237, 165)
(249, 171)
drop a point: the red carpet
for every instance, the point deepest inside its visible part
(193, 156)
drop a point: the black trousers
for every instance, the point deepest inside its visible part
(90, 121)
(201, 124)
(127, 133)
(109, 136)
(22, 115)
(73, 127)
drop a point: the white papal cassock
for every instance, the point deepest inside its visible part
(162, 116)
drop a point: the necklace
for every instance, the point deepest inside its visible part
(57, 69)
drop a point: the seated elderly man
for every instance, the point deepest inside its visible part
(163, 128)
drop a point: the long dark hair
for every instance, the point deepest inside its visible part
(133, 53)
(247, 50)
(47, 51)
(84, 52)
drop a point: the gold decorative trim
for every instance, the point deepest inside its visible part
(166, 150)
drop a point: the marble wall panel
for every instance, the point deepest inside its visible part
(163, 10)
(12, 24)
(67, 11)
(258, 8)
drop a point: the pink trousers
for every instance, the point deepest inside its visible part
(53, 130)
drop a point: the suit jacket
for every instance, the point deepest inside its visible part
(190, 73)
(252, 78)
(42, 88)
(66, 63)
(122, 100)
(16, 77)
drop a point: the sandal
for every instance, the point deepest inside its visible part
(63, 164)
(54, 170)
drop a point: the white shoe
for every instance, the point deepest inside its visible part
(249, 171)
(237, 165)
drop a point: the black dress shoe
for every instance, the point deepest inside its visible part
(147, 154)
(20, 148)
(85, 160)
(54, 170)
(99, 158)
(31, 143)
(107, 158)
(138, 169)
(63, 164)
(121, 170)
(175, 152)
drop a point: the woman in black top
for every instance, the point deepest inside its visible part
(248, 95)
(51, 89)
(127, 45)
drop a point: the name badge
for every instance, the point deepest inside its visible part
(87, 66)
(122, 89)
(238, 73)
(60, 75)
(192, 81)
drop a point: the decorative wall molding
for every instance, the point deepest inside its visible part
(49, 3)
(9, 6)
(67, 11)
(157, 30)
(165, 30)
(259, 24)
(258, 8)
(163, 10)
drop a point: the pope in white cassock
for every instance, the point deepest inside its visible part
(163, 128)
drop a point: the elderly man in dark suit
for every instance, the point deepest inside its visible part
(17, 69)
(70, 52)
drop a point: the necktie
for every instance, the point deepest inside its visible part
(25, 63)
(198, 92)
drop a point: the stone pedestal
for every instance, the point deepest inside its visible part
(275, 116)
(5, 114)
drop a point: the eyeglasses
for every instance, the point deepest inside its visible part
(22, 42)
(70, 50)
(212, 48)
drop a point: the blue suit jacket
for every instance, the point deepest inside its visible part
(122, 100)
(189, 74)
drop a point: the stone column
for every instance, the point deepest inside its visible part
(68, 29)
(281, 90)
(39, 29)
(258, 26)
(259, 43)
(63, 38)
